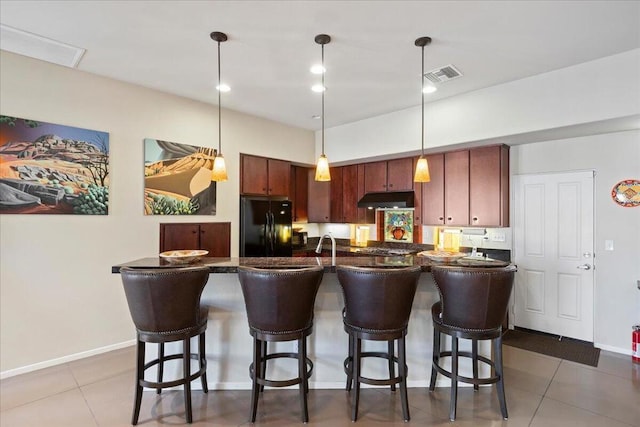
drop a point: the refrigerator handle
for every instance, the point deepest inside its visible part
(267, 232)
(273, 233)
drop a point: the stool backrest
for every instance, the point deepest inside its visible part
(378, 298)
(164, 299)
(474, 298)
(280, 300)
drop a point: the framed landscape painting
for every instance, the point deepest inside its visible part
(177, 179)
(47, 168)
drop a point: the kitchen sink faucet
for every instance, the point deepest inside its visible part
(333, 247)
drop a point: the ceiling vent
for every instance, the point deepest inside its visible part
(38, 47)
(443, 74)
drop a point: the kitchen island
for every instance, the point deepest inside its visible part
(229, 345)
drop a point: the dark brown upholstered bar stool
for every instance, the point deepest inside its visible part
(280, 305)
(165, 307)
(473, 304)
(377, 307)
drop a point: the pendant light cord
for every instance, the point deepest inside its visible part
(219, 107)
(422, 91)
(323, 90)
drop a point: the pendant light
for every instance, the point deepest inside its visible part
(422, 167)
(322, 168)
(219, 172)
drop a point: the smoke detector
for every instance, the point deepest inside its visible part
(443, 74)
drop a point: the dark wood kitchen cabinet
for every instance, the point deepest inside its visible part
(468, 188)
(214, 237)
(351, 193)
(432, 199)
(489, 186)
(319, 194)
(391, 175)
(345, 193)
(456, 188)
(336, 195)
(264, 176)
(299, 193)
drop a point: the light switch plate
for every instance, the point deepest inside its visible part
(608, 245)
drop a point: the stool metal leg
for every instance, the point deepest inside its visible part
(350, 364)
(304, 353)
(454, 378)
(203, 362)
(402, 359)
(392, 368)
(186, 362)
(160, 364)
(263, 358)
(139, 377)
(255, 388)
(436, 359)
(497, 343)
(474, 361)
(356, 378)
(302, 373)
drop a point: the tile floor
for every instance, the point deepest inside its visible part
(541, 391)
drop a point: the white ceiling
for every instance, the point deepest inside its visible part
(372, 62)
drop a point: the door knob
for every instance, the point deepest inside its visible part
(584, 267)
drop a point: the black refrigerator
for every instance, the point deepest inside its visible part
(265, 227)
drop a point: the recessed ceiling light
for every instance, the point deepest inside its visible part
(429, 89)
(318, 69)
(223, 88)
(318, 88)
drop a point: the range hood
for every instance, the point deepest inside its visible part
(387, 199)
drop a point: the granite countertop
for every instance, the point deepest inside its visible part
(230, 265)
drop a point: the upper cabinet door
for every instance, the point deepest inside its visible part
(489, 186)
(433, 192)
(456, 187)
(254, 175)
(375, 177)
(319, 207)
(264, 177)
(350, 193)
(337, 214)
(279, 175)
(400, 174)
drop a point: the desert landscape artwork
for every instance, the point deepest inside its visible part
(47, 168)
(177, 179)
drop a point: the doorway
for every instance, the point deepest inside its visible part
(553, 249)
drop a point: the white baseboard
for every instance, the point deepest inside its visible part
(65, 359)
(613, 349)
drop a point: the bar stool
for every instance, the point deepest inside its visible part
(165, 306)
(377, 307)
(280, 305)
(473, 304)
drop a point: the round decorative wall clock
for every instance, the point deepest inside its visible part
(627, 193)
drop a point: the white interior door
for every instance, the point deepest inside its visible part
(553, 249)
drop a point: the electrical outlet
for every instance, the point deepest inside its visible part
(608, 245)
(498, 237)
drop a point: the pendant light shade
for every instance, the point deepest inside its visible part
(322, 168)
(219, 172)
(422, 167)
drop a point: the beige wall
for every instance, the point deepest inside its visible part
(58, 297)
